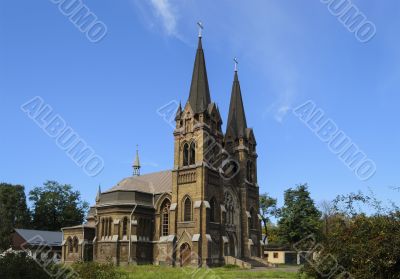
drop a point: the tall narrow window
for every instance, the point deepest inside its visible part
(249, 171)
(70, 245)
(110, 226)
(186, 154)
(192, 157)
(124, 226)
(76, 244)
(188, 210)
(213, 210)
(165, 218)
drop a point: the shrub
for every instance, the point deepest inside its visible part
(18, 265)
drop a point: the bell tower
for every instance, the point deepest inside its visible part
(196, 178)
(241, 144)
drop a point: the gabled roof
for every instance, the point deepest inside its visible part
(237, 124)
(199, 96)
(35, 237)
(154, 183)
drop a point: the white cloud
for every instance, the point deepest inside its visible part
(165, 12)
(159, 14)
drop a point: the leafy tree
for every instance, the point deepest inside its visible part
(358, 245)
(268, 209)
(14, 212)
(56, 206)
(299, 216)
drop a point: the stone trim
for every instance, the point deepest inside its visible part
(248, 214)
(173, 207)
(196, 237)
(197, 204)
(206, 204)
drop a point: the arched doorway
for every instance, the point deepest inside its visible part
(185, 254)
(232, 248)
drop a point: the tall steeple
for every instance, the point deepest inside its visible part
(98, 194)
(237, 124)
(136, 164)
(199, 97)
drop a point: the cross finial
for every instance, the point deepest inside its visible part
(236, 63)
(201, 27)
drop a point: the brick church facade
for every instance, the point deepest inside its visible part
(200, 213)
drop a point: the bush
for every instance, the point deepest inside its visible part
(18, 265)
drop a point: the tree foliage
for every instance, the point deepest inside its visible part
(268, 209)
(299, 216)
(359, 245)
(56, 206)
(14, 212)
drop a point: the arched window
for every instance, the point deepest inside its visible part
(124, 226)
(110, 226)
(105, 226)
(187, 215)
(213, 210)
(192, 156)
(102, 227)
(250, 171)
(76, 242)
(165, 218)
(70, 245)
(186, 154)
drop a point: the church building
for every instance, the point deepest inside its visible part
(203, 212)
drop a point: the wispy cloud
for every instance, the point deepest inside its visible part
(160, 13)
(165, 12)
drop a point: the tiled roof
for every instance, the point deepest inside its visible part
(155, 183)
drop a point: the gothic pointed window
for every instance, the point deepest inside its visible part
(76, 244)
(213, 210)
(110, 221)
(192, 154)
(165, 218)
(70, 245)
(250, 171)
(102, 227)
(187, 215)
(186, 154)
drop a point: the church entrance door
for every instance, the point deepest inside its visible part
(185, 254)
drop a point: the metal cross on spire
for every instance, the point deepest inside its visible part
(236, 63)
(201, 27)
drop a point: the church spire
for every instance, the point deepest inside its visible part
(136, 164)
(237, 124)
(199, 97)
(98, 194)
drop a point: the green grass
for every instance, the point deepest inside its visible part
(151, 271)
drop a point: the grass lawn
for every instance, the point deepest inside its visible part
(150, 272)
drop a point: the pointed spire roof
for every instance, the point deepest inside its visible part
(237, 124)
(136, 163)
(199, 97)
(178, 112)
(98, 194)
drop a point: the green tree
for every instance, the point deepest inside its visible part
(268, 209)
(56, 206)
(299, 216)
(14, 212)
(359, 245)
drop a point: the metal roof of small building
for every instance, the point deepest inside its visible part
(36, 237)
(154, 183)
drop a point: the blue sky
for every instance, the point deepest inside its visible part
(109, 92)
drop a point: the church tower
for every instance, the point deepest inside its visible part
(196, 184)
(241, 145)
